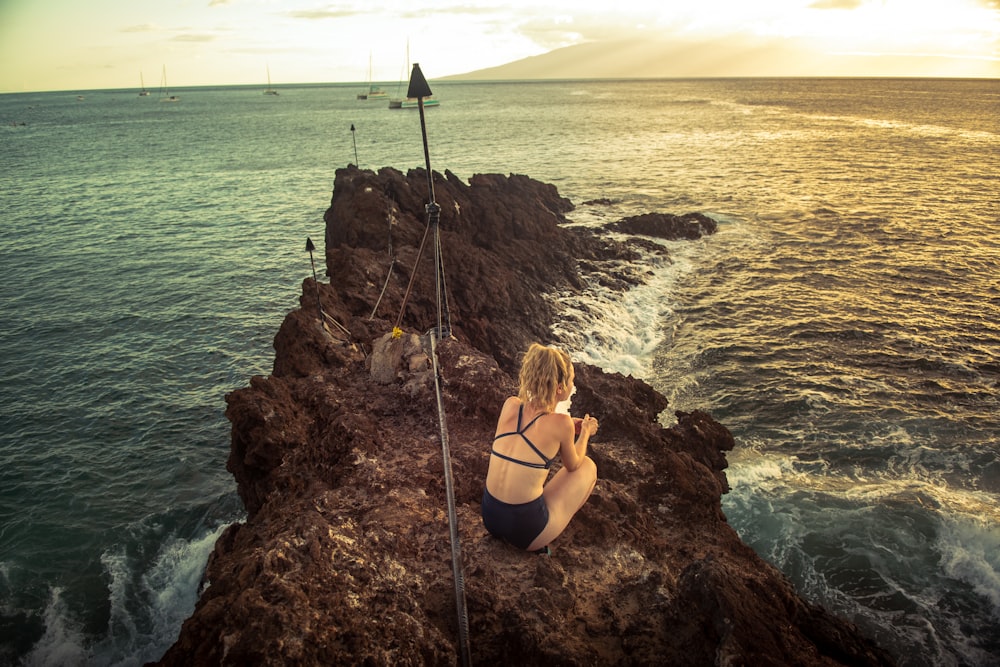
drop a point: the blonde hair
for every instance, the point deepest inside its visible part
(542, 371)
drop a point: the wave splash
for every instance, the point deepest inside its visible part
(146, 608)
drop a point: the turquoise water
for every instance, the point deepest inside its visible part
(844, 323)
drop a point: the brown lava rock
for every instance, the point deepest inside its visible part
(345, 558)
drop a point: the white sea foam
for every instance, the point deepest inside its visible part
(63, 643)
(860, 545)
(122, 622)
(166, 592)
(147, 609)
(173, 582)
(753, 469)
(619, 331)
(970, 552)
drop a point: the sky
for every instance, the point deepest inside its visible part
(98, 44)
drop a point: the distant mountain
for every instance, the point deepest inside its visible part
(728, 57)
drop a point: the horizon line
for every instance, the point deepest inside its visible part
(460, 79)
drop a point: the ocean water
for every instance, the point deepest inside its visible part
(844, 323)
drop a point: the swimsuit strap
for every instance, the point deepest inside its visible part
(520, 431)
(537, 417)
(529, 464)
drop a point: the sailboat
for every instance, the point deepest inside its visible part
(165, 95)
(373, 92)
(397, 101)
(270, 90)
(143, 92)
(412, 103)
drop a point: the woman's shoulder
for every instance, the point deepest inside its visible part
(558, 419)
(509, 406)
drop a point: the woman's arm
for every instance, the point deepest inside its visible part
(574, 451)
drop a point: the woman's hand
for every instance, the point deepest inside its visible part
(574, 451)
(589, 423)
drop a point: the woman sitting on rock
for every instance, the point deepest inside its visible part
(518, 506)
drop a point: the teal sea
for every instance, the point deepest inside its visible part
(844, 323)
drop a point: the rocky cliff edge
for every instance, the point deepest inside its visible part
(345, 556)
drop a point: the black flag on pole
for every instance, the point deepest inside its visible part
(418, 84)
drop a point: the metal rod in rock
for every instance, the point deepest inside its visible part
(319, 304)
(355, 140)
(419, 89)
(456, 544)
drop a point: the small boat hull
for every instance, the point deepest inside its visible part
(412, 103)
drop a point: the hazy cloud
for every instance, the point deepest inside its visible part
(145, 27)
(454, 9)
(836, 4)
(193, 37)
(219, 3)
(562, 30)
(314, 14)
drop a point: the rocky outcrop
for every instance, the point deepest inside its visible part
(345, 555)
(666, 226)
(503, 248)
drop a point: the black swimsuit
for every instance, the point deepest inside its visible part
(518, 524)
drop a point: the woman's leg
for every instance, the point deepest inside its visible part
(564, 495)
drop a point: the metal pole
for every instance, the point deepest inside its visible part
(456, 545)
(427, 154)
(433, 218)
(355, 140)
(419, 89)
(319, 304)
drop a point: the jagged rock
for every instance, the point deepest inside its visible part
(345, 555)
(663, 225)
(503, 247)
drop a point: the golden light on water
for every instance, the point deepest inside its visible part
(857, 489)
